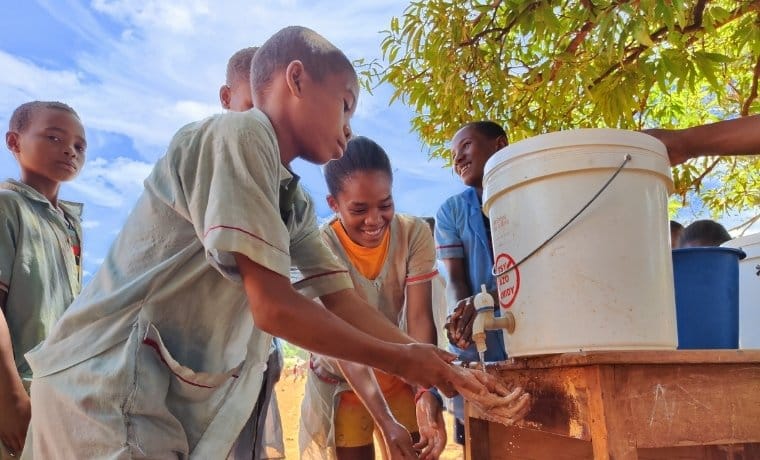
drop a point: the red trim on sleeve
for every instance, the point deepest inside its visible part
(426, 276)
(319, 275)
(446, 246)
(230, 227)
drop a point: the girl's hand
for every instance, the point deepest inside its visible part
(432, 427)
(397, 440)
(17, 411)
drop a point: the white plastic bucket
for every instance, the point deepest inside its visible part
(606, 281)
(749, 290)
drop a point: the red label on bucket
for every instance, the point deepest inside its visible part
(507, 281)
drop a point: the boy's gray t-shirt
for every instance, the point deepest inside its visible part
(38, 266)
(171, 276)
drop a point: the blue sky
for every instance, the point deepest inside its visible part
(137, 70)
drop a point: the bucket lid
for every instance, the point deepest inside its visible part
(578, 137)
(748, 243)
(573, 150)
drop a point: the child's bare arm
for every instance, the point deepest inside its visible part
(350, 307)
(457, 286)
(429, 413)
(419, 312)
(729, 137)
(278, 309)
(14, 402)
(362, 379)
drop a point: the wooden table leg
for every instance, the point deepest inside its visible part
(607, 436)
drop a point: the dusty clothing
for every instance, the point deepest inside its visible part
(159, 356)
(410, 260)
(38, 264)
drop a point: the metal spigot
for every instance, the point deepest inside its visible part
(486, 321)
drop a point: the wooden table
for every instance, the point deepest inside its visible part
(691, 404)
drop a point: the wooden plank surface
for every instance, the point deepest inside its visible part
(559, 400)
(704, 398)
(687, 404)
(629, 357)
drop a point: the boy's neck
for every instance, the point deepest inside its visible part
(49, 189)
(479, 190)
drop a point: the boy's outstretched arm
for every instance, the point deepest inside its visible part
(281, 311)
(740, 136)
(15, 406)
(350, 307)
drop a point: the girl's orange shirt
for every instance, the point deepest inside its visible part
(369, 262)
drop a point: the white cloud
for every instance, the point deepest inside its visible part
(111, 184)
(162, 69)
(90, 224)
(137, 70)
(178, 18)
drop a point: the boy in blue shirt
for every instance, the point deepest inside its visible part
(463, 243)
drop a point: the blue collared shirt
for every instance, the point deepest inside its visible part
(460, 233)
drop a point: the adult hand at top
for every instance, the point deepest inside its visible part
(675, 143)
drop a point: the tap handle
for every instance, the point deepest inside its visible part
(483, 299)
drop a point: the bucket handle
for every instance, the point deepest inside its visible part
(626, 159)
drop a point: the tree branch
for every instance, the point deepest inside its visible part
(657, 35)
(746, 224)
(697, 183)
(502, 31)
(753, 91)
(572, 47)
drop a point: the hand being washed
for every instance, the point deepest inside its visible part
(492, 397)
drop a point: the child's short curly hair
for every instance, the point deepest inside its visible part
(239, 65)
(704, 232)
(23, 114)
(295, 43)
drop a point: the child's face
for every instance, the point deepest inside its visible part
(322, 118)
(365, 206)
(470, 150)
(52, 147)
(237, 96)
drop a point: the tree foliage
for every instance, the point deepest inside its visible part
(540, 66)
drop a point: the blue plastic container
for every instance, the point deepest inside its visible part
(707, 297)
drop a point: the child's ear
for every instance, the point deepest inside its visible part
(225, 96)
(12, 141)
(501, 142)
(333, 203)
(294, 75)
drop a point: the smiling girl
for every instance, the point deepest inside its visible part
(391, 259)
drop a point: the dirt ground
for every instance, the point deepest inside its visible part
(290, 390)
